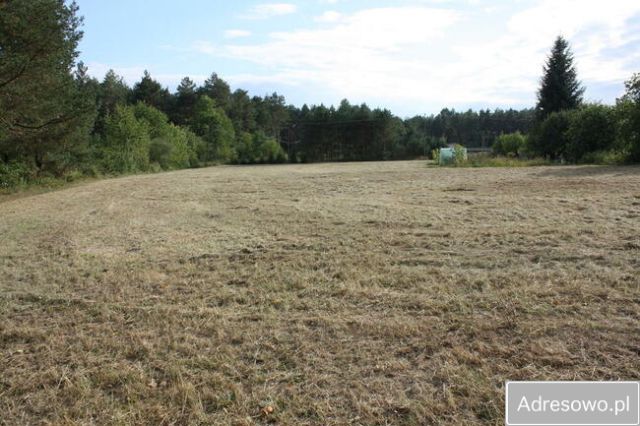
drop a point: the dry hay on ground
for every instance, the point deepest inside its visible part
(371, 293)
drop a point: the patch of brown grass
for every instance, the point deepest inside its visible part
(374, 293)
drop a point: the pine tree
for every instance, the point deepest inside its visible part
(113, 91)
(560, 89)
(218, 90)
(151, 92)
(184, 101)
(43, 104)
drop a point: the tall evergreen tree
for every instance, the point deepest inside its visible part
(185, 100)
(151, 92)
(113, 91)
(560, 88)
(41, 101)
(218, 90)
(242, 111)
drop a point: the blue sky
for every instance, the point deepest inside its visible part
(413, 56)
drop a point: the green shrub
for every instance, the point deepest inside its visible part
(171, 151)
(509, 144)
(628, 128)
(258, 148)
(245, 149)
(90, 170)
(126, 142)
(270, 151)
(549, 138)
(197, 148)
(155, 168)
(459, 155)
(181, 153)
(14, 175)
(47, 181)
(157, 121)
(216, 129)
(160, 152)
(73, 176)
(170, 145)
(608, 157)
(583, 135)
(591, 129)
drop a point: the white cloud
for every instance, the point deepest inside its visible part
(380, 51)
(592, 27)
(236, 33)
(424, 57)
(368, 33)
(512, 64)
(433, 54)
(329, 16)
(203, 46)
(268, 10)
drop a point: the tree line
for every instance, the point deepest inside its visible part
(56, 120)
(568, 129)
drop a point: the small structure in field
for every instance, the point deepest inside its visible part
(452, 154)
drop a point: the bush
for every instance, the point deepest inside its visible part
(584, 135)
(591, 129)
(459, 155)
(270, 151)
(608, 157)
(549, 138)
(216, 129)
(628, 128)
(160, 152)
(171, 151)
(73, 176)
(509, 145)
(157, 121)
(14, 175)
(197, 148)
(126, 142)
(245, 150)
(170, 145)
(90, 170)
(259, 148)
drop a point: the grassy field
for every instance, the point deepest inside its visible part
(330, 294)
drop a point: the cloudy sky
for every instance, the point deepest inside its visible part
(411, 56)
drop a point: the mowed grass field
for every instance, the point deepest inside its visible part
(329, 294)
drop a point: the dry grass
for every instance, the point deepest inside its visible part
(374, 293)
